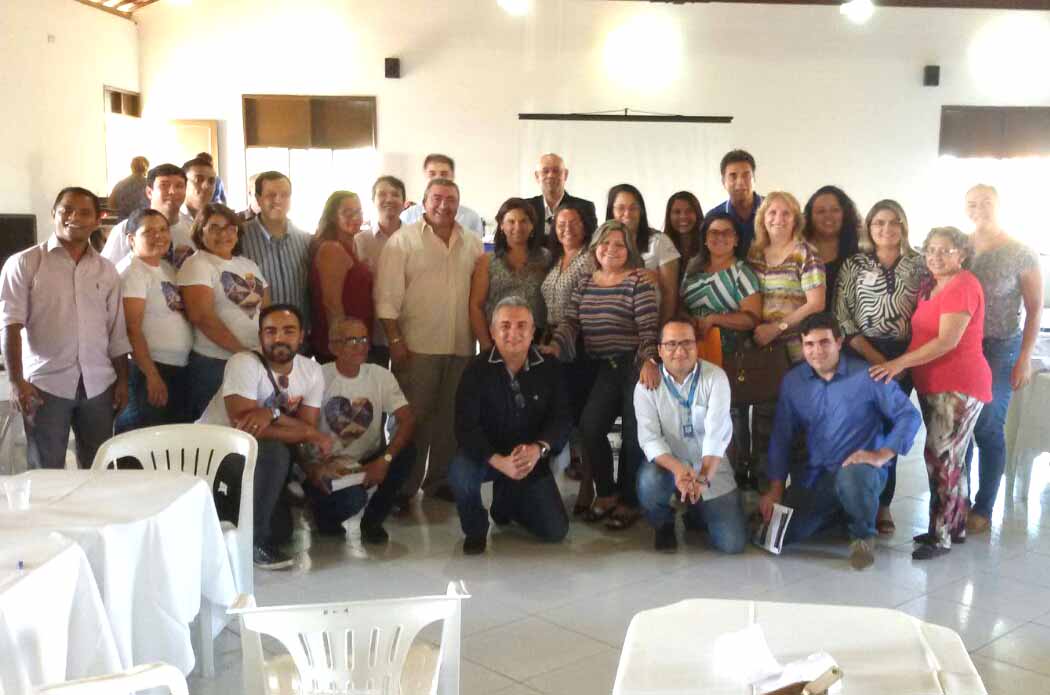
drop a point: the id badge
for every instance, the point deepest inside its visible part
(687, 429)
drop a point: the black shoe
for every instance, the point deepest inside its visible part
(928, 552)
(444, 492)
(929, 539)
(332, 531)
(374, 534)
(666, 541)
(474, 545)
(267, 557)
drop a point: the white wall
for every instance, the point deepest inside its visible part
(57, 55)
(816, 99)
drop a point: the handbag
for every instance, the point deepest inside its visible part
(755, 372)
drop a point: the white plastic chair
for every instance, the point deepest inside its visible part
(133, 680)
(353, 648)
(198, 450)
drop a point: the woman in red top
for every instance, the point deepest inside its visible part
(952, 378)
(340, 284)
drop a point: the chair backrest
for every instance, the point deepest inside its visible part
(359, 646)
(198, 450)
(133, 680)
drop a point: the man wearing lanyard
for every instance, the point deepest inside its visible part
(684, 429)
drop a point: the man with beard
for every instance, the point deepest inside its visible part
(65, 344)
(512, 414)
(356, 396)
(166, 191)
(275, 396)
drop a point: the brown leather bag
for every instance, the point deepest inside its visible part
(755, 372)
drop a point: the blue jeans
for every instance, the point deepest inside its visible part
(989, 432)
(47, 432)
(332, 509)
(849, 494)
(723, 516)
(140, 413)
(534, 502)
(205, 377)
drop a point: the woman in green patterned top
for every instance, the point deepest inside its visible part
(719, 290)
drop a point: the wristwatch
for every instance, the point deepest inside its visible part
(387, 457)
(544, 449)
(783, 326)
(275, 413)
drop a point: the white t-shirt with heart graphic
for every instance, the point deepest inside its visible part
(246, 376)
(353, 408)
(238, 288)
(168, 333)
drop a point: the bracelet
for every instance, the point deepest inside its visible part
(395, 341)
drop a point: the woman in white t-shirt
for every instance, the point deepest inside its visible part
(224, 293)
(159, 333)
(661, 257)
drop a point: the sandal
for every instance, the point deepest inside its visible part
(623, 518)
(596, 513)
(884, 522)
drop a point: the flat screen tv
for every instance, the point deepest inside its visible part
(17, 232)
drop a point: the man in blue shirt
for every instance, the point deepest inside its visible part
(738, 178)
(855, 426)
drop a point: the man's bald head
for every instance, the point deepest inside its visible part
(551, 174)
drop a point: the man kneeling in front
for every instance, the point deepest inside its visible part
(684, 428)
(855, 427)
(512, 414)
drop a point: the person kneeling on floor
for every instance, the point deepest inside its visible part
(684, 428)
(512, 414)
(854, 425)
(356, 396)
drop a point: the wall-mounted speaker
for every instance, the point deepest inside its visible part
(931, 75)
(392, 68)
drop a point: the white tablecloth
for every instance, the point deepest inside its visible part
(53, 626)
(669, 650)
(154, 545)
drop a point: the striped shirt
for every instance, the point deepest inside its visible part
(613, 320)
(283, 261)
(784, 287)
(720, 293)
(875, 301)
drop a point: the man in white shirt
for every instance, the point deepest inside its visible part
(684, 428)
(166, 192)
(388, 196)
(275, 396)
(356, 397)
(422, 291)
(441, 166)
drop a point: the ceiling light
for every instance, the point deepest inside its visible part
(518, 8)
(857, 11)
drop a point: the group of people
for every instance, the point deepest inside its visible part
(756, 344)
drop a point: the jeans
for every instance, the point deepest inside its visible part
(271, 473)
(47, 432)
(892, 349)
(723, 516)
(534, 502)
(140, 413)
(612, 395)
(205, 379)
(331, 510)
(848, 493)
(989, 433)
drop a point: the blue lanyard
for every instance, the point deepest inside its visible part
(686, 403)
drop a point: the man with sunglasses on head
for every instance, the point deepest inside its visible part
(512, 415)
(275, 396)
(356, 397)
(684, 428)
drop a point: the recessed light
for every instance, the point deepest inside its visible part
(857, 11)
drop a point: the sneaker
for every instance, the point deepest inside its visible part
(665, 540)
(861, 553)
(928, 552)
(374, 534)
(267, 557)
(474, 545)
(978, 523)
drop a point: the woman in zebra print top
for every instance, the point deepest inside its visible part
(878, 290)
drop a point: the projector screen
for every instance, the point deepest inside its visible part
(658, 158)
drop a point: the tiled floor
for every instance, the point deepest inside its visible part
(551, 619)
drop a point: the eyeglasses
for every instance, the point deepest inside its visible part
(879, 224)
(673, 345)
(219, 228)
(519, 398)
(620, 209)
(361, 340)
(937, 252)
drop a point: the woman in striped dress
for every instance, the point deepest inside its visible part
(615, 311)
(792, 279)
(721, 293)
(878, 290)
